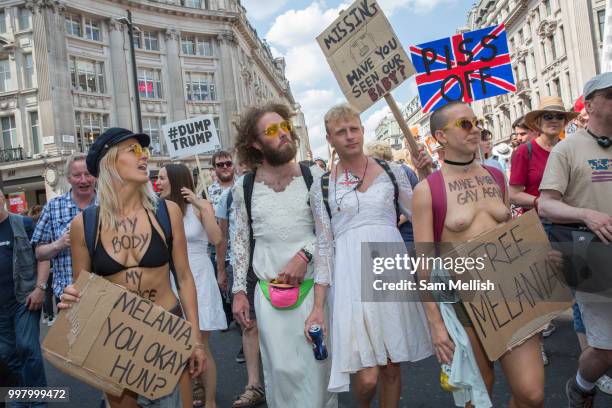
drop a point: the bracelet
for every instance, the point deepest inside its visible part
(302, 257)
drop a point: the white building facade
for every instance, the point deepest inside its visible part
(66, 75)
(555, 45)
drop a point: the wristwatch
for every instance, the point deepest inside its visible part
(308, 255)
(42, 286)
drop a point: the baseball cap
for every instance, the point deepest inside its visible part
(597, 83)
(107, 140)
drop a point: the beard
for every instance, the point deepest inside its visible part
(224, 178)
(283, 155)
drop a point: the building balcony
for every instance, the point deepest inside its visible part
(522, 87)
(502, 101)
(487, 110)
(11, 155)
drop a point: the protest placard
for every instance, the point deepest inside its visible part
(528, 290)
(365, 54)
(115, 340)
(465, 67)
(191, 137)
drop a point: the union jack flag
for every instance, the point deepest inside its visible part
(469, 66)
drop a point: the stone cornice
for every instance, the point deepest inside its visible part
(176, 10)
(36, 6)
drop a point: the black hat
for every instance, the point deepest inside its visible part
(107, 140)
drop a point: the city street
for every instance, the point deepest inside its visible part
(419, 386)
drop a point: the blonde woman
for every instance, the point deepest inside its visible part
(127, 208)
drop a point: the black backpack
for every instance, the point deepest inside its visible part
(91, 216)
(386, 168)
(248, 182)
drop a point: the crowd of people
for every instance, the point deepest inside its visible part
(275, 246)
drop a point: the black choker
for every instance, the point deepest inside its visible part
(603, 141)
(456, 163)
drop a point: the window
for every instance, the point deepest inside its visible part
(521, 39)
(201, 87)
(2, 22)
(149, 83)
(137, 40)
(92, 29)
(553, 49)
(150, 41)
(547, 7)
(151, 125)
(86, 75)
(196, 46)
(24, 19)
(88, 126)
(28, 71)
(9, 132)
(73, 25)
(601, 19)
(35, 128)
(561, 39)
(192, 3)
(557, 86)
(5, 75)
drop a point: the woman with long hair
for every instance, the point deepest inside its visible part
(175, 183)
(127, 207)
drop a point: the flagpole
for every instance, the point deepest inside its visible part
(412, 144)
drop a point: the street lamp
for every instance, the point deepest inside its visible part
(128, 22)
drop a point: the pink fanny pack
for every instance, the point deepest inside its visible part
(283, 296)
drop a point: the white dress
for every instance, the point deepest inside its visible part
(210, 307)
(282, 225)
(364, 334)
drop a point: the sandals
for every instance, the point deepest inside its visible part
(251, 397)
(198, 393)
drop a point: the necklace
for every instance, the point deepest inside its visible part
(603, 141)
(456, 163)
(353, 190)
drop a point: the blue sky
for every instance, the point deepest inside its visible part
(291, 27)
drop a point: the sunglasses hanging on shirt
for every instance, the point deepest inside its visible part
(603, 141)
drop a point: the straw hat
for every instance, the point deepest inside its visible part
(552, 104)
(502, 150)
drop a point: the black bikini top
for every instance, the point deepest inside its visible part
(155, 256)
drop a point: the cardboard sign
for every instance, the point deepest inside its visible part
(17, 203)
(364, 54)
(529, 292)
(191, 137)
(113, 339)
(465, 67)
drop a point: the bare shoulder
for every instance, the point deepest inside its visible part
(77, 222)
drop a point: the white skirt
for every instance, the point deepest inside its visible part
(368, 334)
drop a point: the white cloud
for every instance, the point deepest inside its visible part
(372, 122)
(298, 27)
(257, 11)
(419, 6)
(306, 66)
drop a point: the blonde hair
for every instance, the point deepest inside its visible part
(379, 150)
(107, 194)
(343, 111)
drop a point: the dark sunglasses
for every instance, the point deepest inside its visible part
(555, 116)
(226, 164)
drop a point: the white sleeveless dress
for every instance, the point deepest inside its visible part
(210, 306)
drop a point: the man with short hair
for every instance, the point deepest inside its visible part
(359, 201)
(576, 189)
(22, 292)
(522, 131)
(275, 240)
(52, 234)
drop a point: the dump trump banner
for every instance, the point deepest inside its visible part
(364, 53)
(465, 67)
(191, 137)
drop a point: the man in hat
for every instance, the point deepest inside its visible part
(530, 158)
(576, 189)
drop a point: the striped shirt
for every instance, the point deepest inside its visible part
(54, 221)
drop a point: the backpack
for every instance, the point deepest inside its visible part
(91, 216)
(248, 182)
(438, 197)
(386, 168)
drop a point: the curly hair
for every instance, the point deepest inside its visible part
(247, 131)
